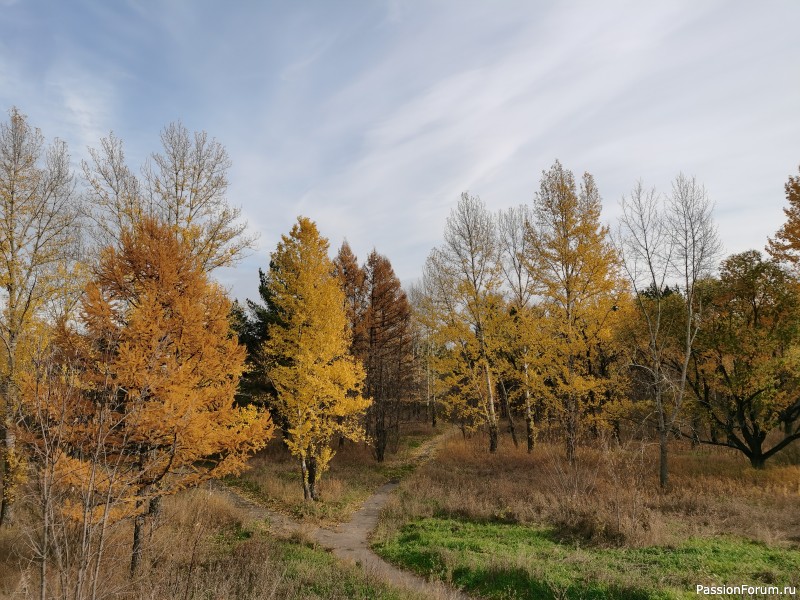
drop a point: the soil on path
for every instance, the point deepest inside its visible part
(350, 541)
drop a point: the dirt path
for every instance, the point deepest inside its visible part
(350, 541)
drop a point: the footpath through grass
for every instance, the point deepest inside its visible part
(516, 561)
(274, 477)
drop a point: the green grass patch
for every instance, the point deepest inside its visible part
(513, 561)
(320, 575)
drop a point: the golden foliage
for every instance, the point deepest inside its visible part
(308, 360)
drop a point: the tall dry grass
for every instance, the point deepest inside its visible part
(203, 546)
(609, 497)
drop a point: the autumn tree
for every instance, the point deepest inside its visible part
(185, 185)
(38, 238)
(157, 351)
(785, 246)
(524, 339)
(464, 281)
(307, 356)
(574, 273)
(426, 348)
(745, 380)
(387, 325)
(352, 278)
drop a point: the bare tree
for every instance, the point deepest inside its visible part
(645, 246)
(695, 250)
(38, 237)
(113, 192)
(185, 186)
(677, 240)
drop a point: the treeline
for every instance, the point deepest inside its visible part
(542, 312)
(127, 374)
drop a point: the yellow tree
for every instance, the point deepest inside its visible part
(574, 273)
(523, 337)
(461, 280)
(317, 381)
(464, 280)
(38, 235)
(158, 352)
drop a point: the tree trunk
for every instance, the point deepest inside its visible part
(663, 470)
(492, 437)
(757, 461)
(381, 437)
(572, 429)
(138, 528)
(530, 432)
(507, 406)
(312, 478)
(9, 467)
(492, 416)
(571, 448)
(304, 477)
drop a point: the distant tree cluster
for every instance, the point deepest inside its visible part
(540, 311)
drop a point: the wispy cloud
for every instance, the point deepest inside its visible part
(372, 118)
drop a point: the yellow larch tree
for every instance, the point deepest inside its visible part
(157, 350)
(318, 383)
(574, 272)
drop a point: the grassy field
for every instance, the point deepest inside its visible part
(204, 548)
(274, 477)
(515, 525)
(499, 560)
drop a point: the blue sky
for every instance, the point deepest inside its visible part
(372, 117)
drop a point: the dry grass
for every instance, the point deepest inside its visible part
(610, 497)
(203, 547)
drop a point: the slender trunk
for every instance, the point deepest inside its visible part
(45, 534)
(339, 421)
(663, 470)
(530, 431)
(312, 478)
(572, 429)
(8, 458)
(304, 477)
(138, 529)
(8, 466)
(490, 411)
(381, 435)
(507, 406)
(757, 461)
